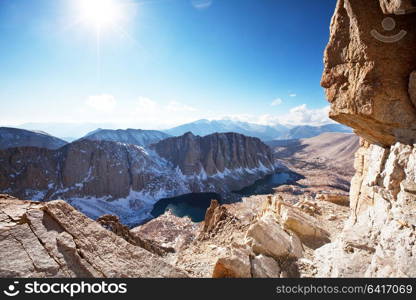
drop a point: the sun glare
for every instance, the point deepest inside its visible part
(100, 13)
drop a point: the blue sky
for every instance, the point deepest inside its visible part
(164, 62)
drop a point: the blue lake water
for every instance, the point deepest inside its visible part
(191, 205)
(195, 205)
(266, 184)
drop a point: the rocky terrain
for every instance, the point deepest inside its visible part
(129, 136)
(325, 163)
(54, 240)
(369, 84)
(13, 137)
(263, 236)
(102, 177)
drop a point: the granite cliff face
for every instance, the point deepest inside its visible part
(370, 85)
(101, 177)
(217, 155)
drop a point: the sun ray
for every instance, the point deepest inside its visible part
(103, 16)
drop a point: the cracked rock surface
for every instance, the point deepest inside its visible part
(371, 87)
(54, 240)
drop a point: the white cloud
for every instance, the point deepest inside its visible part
(201, 4)
(148, 106)
(141, 112)
(102, 103)
(149, 114)
(276, 102)
(146, 113)
(299, 115)
(292, 95)
(302, 115)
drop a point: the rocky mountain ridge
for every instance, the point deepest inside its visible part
(129, 136)
(101, 177)
(14, 137)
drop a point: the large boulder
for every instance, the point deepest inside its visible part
(267, 237)
(216, 217)
(265, 267)
(169, 232)
(304, 226)
(54, 240)
(237, 265)
(112, 223)
(296, 220)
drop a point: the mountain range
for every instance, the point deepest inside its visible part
(107, 177)
(129, 136)
(124, 172)
(14, 137)
(71, 132)
(263, 132)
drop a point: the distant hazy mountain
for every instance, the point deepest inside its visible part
(14, 137)
(263, 132)
(206, 127)
(66, 131)
(302, 132)
(129, 136)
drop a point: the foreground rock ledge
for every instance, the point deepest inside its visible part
(54, 240)
(371, 87)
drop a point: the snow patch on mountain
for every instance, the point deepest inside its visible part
(129, 136)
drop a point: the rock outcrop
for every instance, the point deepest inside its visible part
(267, 237)
(274, 243)
(217, 155)
(14, 137)
(237, 265)
(399, 7)
(367, 79)
(168, 231)
(334, 198)
(102, 177)
(54, 240)
(250, 239)
(215, 218)
(367, 82)
(297, 219)
(112, 223)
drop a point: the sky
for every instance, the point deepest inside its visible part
(155, 64)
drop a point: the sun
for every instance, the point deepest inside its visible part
(100, 13)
